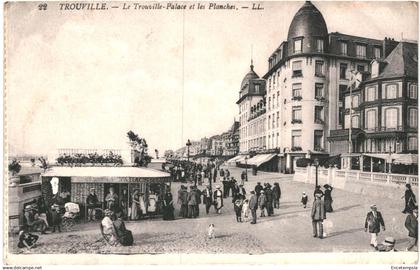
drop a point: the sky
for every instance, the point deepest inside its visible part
(83, 79)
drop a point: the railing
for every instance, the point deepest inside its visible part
(62, 151)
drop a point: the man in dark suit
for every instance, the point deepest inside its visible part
(207, 198)
(373, 223)
(318, 215)
(411, 223)
(253, 205)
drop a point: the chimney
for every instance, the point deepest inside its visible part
(389, 45)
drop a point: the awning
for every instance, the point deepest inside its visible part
(258, 160)
(109, 174)
(406, 159)
(241, 159)
(234, 159)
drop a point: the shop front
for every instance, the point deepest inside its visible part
(77, 182)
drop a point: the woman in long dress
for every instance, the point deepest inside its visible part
(410, 199)
(135, 205)
(168, 208)
(152, 203)
(328, 198)
(142, 205)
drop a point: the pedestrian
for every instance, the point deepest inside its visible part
(238, 209)
(111, 199)
(207, 198)
(227, 173)
(168, 207)
(222, 173)
(225, 184)
(410, 199)
(262, 202)
(183, 201)
(108, 229)
(269, 196)
(411, 223)
(55, 218)
(373, 223)
(245, 210)
(218, 199)
(243, 177)
(318, 191)
(214, 174)
(304, 199)
(241, 192)
(328, 198)
(27, 239)
(124, 204)
(198, 199)
(276, 195)
(258, 189)
(253, 205)
(318, 215)
(124, 236)
(135, 205)
(33, 221)
(192, 202)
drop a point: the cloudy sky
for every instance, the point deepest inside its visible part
(82, 79)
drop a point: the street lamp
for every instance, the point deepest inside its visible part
(246, 168)
(188, 144)
(316, 163)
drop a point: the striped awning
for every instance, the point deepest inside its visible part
(258, 160)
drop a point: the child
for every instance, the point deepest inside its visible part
(238, 209)
(245, 211)
(211, 231)
(27, 239)
(55, 217)
(304, 199)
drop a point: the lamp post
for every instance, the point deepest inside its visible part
(188, 144)
(316, 163)
(246, 169)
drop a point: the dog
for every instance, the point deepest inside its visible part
(210, 233)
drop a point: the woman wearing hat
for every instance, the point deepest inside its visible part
(410, 199)
(373, 223)
(328, 198)
(135, 205)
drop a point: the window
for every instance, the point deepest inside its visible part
(342, 89)
(319, 114)
(361, 51)
(371, 119)
(355, 122)
(371, 94)
(347, 103)
(278, 120)
(269, 84)
(343, 71)
(343, 48)
(355, 101)
(320, 45)
(296, 138)
(360, 68)
(340, 115)
(274, 80)
(297, 46)
(297, 69)
(319, 90)
(377, 52)
(297, 113)
(391, 91)
(391, 118)
(297, 90)
(274, 122)
(269, 121)
(274, 100)
(318, 134)
(412, 143)
(257, 88)
(412, 91)
(278, 98)
(319, 68)
(412, 117)
(269, 103)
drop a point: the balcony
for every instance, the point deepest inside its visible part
(296, 121)
(319, 121)
(296, 98)
(384, 129)
(320, 98)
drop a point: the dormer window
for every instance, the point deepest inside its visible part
(320, 45)
(297, 45)
(343, 48)
(257, 88)
(377, 52)
(361, 51)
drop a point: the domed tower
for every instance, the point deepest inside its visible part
(251, 106)
(308, 31)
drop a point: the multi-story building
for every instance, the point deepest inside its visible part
(382, 108)
(251, 105)
(307, 77)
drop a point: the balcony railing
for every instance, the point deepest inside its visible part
(385, 129)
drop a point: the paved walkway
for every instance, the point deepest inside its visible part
(289, 230)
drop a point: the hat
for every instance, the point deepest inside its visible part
(318, 195)
(28, 207)
(252, 192)
(218, 187)
(92, 188)
(304, 192)
(389, 241)
(108, 212)
(259, 183)
(373, 206)
(262, 191)
(55, 205)
(408, 185)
